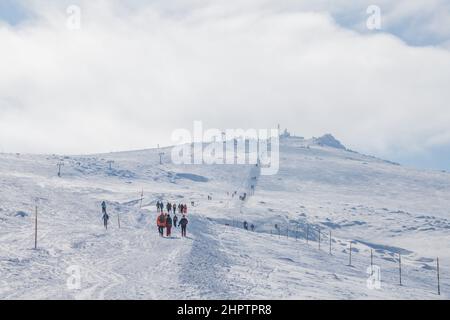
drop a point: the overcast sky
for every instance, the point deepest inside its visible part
(135, 72)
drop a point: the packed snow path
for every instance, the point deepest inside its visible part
(376, 204)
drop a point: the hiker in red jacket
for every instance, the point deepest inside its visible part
(168, 225)
(161, 223)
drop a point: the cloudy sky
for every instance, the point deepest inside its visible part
(135, 72)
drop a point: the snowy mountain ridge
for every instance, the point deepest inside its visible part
(321, 189)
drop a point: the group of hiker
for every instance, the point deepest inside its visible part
(252, 226)
(164, 219)
(171, 207)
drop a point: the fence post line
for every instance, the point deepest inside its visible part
(35, 227)
(118, 219)
(400, 267)
(330, 242)
(438, 278)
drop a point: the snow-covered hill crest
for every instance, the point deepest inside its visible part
(323, 198)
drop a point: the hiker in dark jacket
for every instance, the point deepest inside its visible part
(175, 220)
(157, 206)
(169, 207)
(174, 208)
(105, 220)
(245, 225)
(103, 207)
(168, 225)
(183, 224)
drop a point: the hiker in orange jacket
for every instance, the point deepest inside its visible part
(161, 223)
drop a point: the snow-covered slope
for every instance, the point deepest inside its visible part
(322, 186)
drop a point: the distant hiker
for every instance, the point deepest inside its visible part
(175, 220)
(252, 226)
(105, 220)
(192, 203)
(183, 224)
(185, 208)
(168, 225)
(169, 207)
(157, 206)
(161, 206)
(103, 207)
(161, 222)
(245, 225)
(174, 208)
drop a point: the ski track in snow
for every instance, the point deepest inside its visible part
(375, 204)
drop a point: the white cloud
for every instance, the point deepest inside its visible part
(130, 77)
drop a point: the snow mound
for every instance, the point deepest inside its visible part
(329, 141)
(21, 214)
(191, 176)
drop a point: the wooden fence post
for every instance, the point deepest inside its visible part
(371, 262)
(350, 255)
(330, 242)
(307, 232)
(438, 279)
(35, 227)
(142, 198)
(118, 219)
(319, 238)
